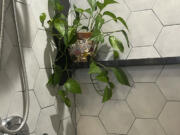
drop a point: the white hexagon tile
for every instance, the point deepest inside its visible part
(45, 95)
(168, 11)
(168, 82)
(119, 9)
(48, 122)
(89, 102)
(39, 7)
(6, 92)
(168, 44)
(120, 92)
(146, 127)
(28, 28)
(6, 50)
(43, 49)
(116, 117)
(16, 109)
(90, 126)
(146, 100)
(13, 69)
(170, 119)
(136, 5)
(144, 73)
(144, 28)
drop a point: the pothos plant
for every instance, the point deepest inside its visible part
(65, 35)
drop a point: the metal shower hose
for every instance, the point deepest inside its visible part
(24, 75)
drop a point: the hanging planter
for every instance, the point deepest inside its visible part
(74, 45)
(83, 49)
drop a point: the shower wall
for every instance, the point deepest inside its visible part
(152, 105)
(47, 113)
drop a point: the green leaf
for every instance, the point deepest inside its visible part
(79, 10)
(42, 18)
(60, 26)
(50, 81)
(110, 14)
(126, 36)
(116, 54)
(58, 72)
(88, 10)
(101, 6)
(59, 7)
(55, 5)
(103, 77)
(116, 44)
(92, 4)
(72, 35)
(123, 22)
(107, 94)
(111, 85)
(121, 76)
(99, 22)
(94, 69)
(64, 97)
(72, 86)
(97, 37)
(56, 77)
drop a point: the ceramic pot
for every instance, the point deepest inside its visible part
(83, 48)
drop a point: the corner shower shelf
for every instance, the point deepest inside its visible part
(135, 62)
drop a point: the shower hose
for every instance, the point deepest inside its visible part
(3, 129)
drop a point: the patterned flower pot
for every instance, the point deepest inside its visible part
(83, 48)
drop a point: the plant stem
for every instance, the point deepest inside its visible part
(98, 91)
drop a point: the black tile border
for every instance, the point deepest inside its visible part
(134, 62)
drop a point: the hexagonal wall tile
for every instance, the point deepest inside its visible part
(45, 94)
(39, 7)
(119, 9)
(144, 73)
(32, 66)
(43, 50)
(120, 92)
(16, 108)
(28, 27)
(146, 100)
(140, 4)
(82, 72)
(89, 102)
(67, 127)
(90, 126)
(144, 28)
(25, 1)
(146, 127)
(168, 11)
(6, 50)
(48, 122)
(105, 52)
(169, 82)
(116, 117)
(143, 53)
(6, 93)
(12, 69)
(10, 25)
(168, 44)
(170, 119)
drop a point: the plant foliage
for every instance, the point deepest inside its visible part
(65, 34)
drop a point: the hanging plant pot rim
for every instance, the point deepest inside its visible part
(84, 35)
